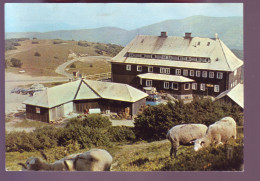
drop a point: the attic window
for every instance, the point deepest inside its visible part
(208, 44)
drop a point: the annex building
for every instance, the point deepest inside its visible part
(82, 95)
(180, 66)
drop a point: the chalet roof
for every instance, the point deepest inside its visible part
(116, 91)
(221, 56)
(165, 77)
(236, 94)
(85, 89)
(54, 96)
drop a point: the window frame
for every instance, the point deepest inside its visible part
(204, 74)
(188, 86)
(149, 84)
(197, 73)
(185, 72)
(219, 75)
(192, 73)
(175, 83)
(194, 86)
(166, 83)
(37, 110)
(211, 75)
(128, 67)
(216, 88)
(149, 68)
(177, 71)
(202, 86)
(137, 68)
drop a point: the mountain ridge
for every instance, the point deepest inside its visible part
(229, 29)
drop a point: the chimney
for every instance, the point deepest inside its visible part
(187, 35)
(164, 34)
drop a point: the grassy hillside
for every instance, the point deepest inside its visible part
(145, 156)
(43, 57)
(229, 29)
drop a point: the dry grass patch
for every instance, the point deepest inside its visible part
(52, 55)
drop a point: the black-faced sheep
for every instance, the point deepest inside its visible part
(93, 160)
(184, 134)
(217, 133)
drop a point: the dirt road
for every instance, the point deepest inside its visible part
(61, 68)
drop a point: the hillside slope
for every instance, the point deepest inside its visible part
(229, 29)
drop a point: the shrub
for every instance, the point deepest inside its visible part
(37, 54)
(57, 41)
(84, 136)
(155, 121)
(120, 134)
(83, 43)
(16, 44)
(73, 66)
(211, 158)
(16, 62)
(35, 42)
(96, 121)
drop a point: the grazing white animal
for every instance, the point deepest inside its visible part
(93, 160)
(184, 134)
(217, 133)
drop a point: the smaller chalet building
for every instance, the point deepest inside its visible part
(81, 95)
(234, 96)
(181, 66)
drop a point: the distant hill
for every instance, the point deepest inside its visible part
(229, 29)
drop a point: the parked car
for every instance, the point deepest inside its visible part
(16, 90)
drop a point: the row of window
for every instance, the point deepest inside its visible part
(186, 72)
(175, 86)
(169, 57)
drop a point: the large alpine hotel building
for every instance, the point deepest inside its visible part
(181, 66)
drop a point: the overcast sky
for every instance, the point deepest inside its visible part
(43, 17)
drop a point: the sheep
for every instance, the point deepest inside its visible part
(217, 133)
(93, 160)
(184, 134)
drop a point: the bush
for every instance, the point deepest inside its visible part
(73, 66)
(211, 158)
(57, 41)
(155, 121)
(35, 42)
(84, 136)
(83, 43)
(16, 62)
(37, 54)
(120, 134)
(96, 121)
